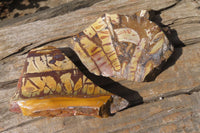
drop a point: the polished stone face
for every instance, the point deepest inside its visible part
(48, 71)
(121, 46)
(51, 85)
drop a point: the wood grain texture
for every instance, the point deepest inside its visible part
(178, 84)
(38, 33)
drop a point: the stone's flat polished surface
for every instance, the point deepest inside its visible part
(122, 46)
(51, 85)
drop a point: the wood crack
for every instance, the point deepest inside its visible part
(27, 48)
(173, 94)
(192, 41)
(17, 52)
(189, 20)
(8, 84)
(167, 8)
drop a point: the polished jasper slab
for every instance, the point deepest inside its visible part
(122, 46)
(51, 85)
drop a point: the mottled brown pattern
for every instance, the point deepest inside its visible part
(128, 46)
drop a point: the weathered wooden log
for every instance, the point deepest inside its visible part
(178, 82)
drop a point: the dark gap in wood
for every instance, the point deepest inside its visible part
(188, 22)
(8, 84)
(174, 94)
(17, 52)
(24, 50)
(43, 44)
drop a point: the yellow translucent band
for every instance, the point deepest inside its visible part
(29, 106)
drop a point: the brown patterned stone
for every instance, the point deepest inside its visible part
(122, 46)
(51, 85)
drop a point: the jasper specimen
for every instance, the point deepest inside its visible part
(122, 46)
(51, 85)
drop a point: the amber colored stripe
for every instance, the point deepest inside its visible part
(30, 106)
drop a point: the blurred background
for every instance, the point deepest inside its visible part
(15, 8)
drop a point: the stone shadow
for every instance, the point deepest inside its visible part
(133, 97)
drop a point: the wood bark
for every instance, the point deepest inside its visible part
(169, 103)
